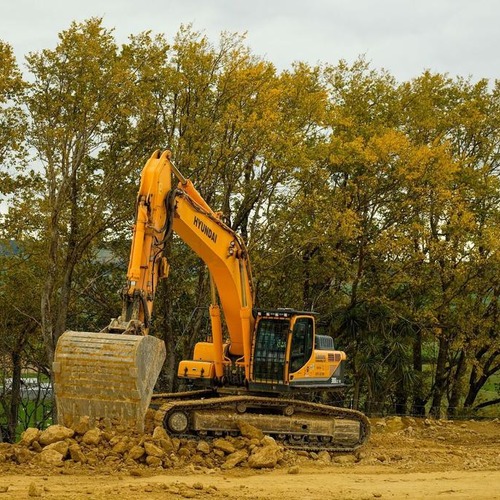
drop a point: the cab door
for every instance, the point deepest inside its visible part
(302, 342)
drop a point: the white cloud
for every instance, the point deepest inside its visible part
(405, 37)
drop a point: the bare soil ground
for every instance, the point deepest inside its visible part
(405, 459)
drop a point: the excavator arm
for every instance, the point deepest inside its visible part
(162, 210)
(146, 263)
(113, 372)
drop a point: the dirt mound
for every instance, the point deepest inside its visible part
(425, 444)
(403, 443)
(114, 446)
(416, 459)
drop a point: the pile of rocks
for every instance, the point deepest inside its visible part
(115, 445)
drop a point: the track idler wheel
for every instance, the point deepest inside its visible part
(177, 422)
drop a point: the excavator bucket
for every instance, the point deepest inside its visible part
(103, 375)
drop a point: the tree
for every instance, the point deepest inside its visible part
(79, 112)
(226, 116)
(20, 342)
(12, 122)
(453, 195)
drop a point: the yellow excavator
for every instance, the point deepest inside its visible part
(260, 367)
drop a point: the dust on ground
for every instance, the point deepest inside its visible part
(405, 458)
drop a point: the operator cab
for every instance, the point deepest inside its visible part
(287, 354)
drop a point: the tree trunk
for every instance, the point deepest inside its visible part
(440, 377)
(15, 397)
(355, 397)
(166, 380)
(46, 305)
(401, 397)
(458, 384)
(479, 376)
(418, 404)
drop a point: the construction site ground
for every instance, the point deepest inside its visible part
(405, 459)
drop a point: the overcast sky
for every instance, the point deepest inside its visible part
(458, 37)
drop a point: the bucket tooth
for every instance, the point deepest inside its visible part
(103, 375)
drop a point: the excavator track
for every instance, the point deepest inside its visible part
(296, 424)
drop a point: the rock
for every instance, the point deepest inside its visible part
(92, 458)
(36, 446)
(51, 457)
(294, 470)
(115, 440)
(264, 458)
(137, 472)
(268, 441)
(23, 455)
(76, 454)
(107, 435)
(241, 442)
(166, 444)
(153, 461)
(60, 446)
(203, 447)
(55, 433)
(160, 433)
(394, 424)
(249, 431)
(92, 437)
(324, 456)
(29, 435)
(224, 445)
(345, 459)
(152, 450)
(184, 452)
(4, 489)
(82, 426)
(33, 491)
(176, 442)
(234, 459)
(136, 452)
(121, 446)
(187, 493)
(198, 460)
(105, 423)
(409, 431)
